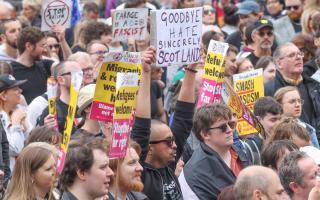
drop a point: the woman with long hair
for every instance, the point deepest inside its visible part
(34, 173)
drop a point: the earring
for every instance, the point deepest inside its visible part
(32, 181)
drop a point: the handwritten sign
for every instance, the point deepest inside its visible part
(130, 23)
(105, 94)
(127, 87)
(232, 99)
(55, 12)
(176, 34)
(76, 80)
(210, 90)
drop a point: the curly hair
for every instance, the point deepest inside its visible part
(32, 35)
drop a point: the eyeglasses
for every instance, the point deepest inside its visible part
(206, 12)
(296, 7)
(56, 46)
(100, 53)
(262, 34)
(294, 101)
(169, 141)
(224, 127)
(66, 73)
(294, 55)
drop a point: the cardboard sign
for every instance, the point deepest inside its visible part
(249, 86)
(55, 12)
(232, 99)
(105, 94)
(127, 87)
(52, 88)
(210, 90)
(176, 34)
(76, 81)
(130, 23)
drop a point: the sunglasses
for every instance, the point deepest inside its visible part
(262, 34)
(65, 74)
(206, 12)
(56, 46)
(224, 127)
(169, 141)
(296, 7)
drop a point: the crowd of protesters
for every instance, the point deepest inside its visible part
(176, 151)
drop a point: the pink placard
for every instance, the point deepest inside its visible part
(120, 138)
(210, 92)
(101, 111)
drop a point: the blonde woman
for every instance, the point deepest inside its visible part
(290, 99)
(34, 173)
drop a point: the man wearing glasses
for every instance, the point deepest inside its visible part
(262, 37)
(289, 73)
(216, 163)
(288, 26)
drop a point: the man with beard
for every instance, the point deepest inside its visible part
(29, 65)
(126, 183)
(9, 30)
(262, 37)
(288, 26)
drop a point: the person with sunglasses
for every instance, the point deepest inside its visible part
(289, 25)
(162, 146)
(263, 38)
(216, 163)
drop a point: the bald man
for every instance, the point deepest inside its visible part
(257, 182)
(84, 60)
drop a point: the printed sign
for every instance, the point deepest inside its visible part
(249, 86)
(130, 23)
(105, 94)
(232, 99)
(76, 81)
(210, 90)
(127, 87)
(52, 88)
(55, 12)
(176, 34)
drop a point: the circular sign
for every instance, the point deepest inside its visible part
(57, 12)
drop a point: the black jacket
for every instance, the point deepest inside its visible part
(207, 174)
(131, 196)
(4, 155)
(305, 88)
(181, 127)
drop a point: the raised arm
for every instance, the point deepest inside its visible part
(182, 122)
(59, 30)
(141, 129)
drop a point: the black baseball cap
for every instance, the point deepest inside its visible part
(7, 81)
(261, 23)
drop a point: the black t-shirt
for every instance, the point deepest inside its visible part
(170, 189)
(155, 95)
(253, 58)
(36, 75)
(62, 112)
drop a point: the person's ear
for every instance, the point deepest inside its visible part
(294, 186)
(205, 135)
(29, 46)
(257, 194)
(81, 174)
(3, 95)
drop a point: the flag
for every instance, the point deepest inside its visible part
(75, 15)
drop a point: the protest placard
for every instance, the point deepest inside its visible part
(55, 12)
(210, 90)
(130, 23)
(127, 87)
(232, 99)
(249, 86)
(176, 34)
(105, 93)
(76, 81)
(52, 88)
